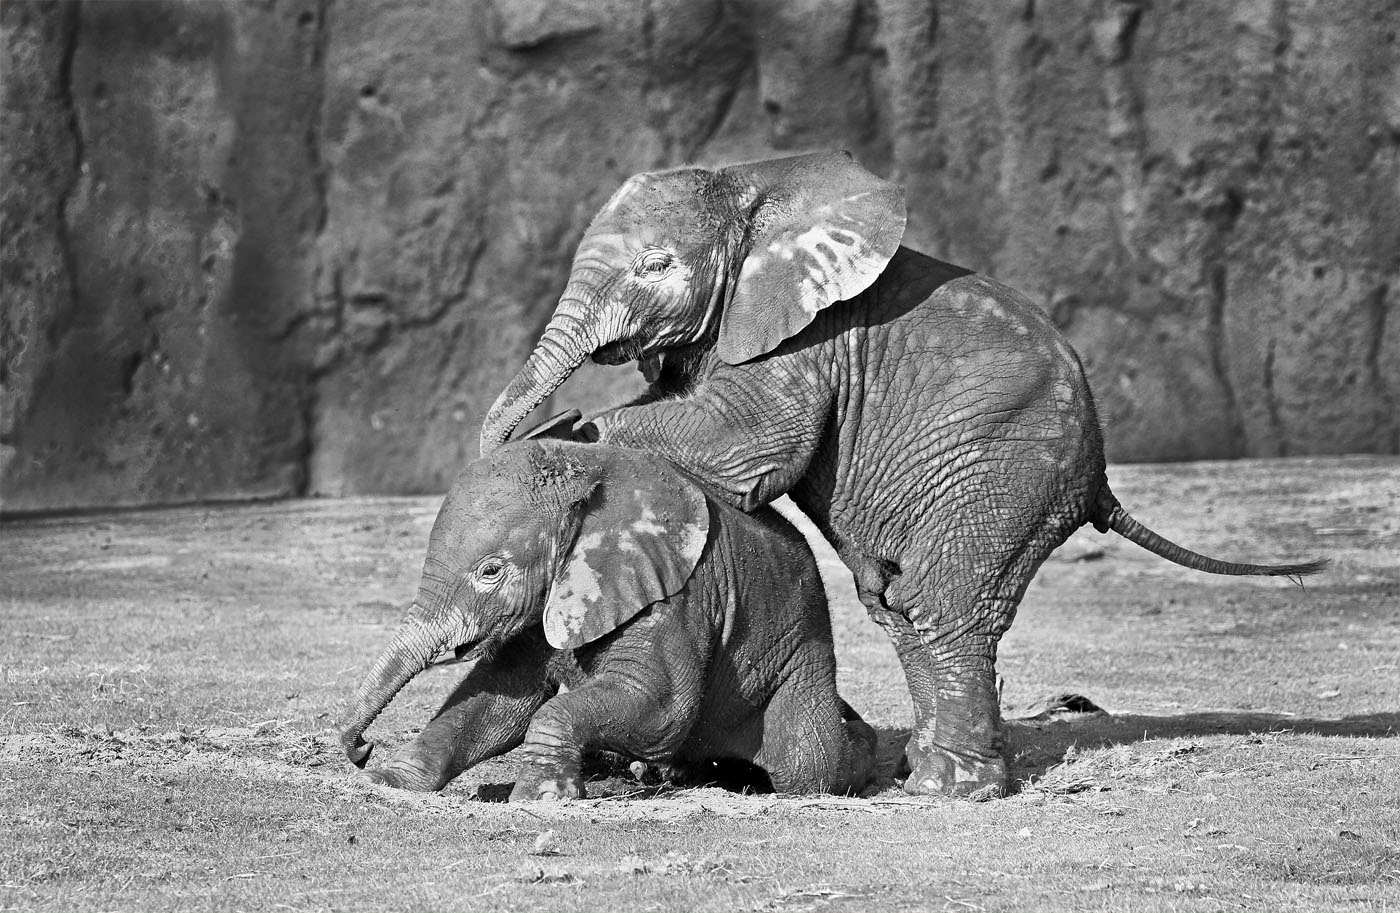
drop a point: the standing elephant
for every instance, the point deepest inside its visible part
(932, 422)
(684, 630)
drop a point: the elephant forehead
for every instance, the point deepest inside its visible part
(476, 520)
(472, 506)
(608, 242)
(636, 205)
(662, 210)
(629, 189)
(621, 235)
(473, 533)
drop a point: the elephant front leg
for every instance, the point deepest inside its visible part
(485, 716)
(465, 732)
(413, 769)
(596, 716)
(749, 431)
(553, 760)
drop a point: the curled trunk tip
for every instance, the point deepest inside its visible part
(357, 750)
(416, 641)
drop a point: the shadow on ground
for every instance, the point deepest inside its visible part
(1041, 742)
(1036, 744)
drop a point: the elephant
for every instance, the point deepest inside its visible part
(683, 630)
(932, 422)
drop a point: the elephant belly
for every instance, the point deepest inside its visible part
(775, 647)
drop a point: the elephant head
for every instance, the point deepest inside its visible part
(576, 538)
(745, 256)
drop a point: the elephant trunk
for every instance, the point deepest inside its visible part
(415, 644)
(566, 342)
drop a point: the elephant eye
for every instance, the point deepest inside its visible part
(490, 571)
(654, 264)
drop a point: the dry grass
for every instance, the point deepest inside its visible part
(172, 680)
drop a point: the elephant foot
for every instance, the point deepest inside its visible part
(939, 772)
(546, 789)
(404, 774)
(551, 767)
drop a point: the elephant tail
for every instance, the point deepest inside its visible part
(1110, 515)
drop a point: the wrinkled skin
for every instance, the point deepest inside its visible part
(932, 422)
(684, 630)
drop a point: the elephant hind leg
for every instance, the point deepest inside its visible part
(865, 750)
(935, 763)
(617, 709)
(815, 742)
(950, 618)
(957, 749)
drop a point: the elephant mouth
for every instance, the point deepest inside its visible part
(617, 353)
(650, 368)
(462, 653)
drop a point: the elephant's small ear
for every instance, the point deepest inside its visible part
(636, 540)
(822, 229)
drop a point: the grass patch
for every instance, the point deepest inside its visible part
(169, 703)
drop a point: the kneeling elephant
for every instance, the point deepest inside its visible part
(683, 630)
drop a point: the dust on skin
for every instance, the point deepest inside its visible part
(553, 475)
(754, 267)
(578, 584)
(648, 522)
(825, 250)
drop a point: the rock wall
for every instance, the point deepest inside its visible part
(161, 208)
(297, 246)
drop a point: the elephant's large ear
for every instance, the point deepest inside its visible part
(822, 228)
(636, 538)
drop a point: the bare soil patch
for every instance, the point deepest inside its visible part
(172, 682)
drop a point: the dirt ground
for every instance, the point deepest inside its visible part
(173, 680)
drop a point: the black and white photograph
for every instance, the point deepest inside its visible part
(758, 456)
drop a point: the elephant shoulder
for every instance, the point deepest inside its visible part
(978, 296)
(982, 305)
(913, 276)
(915, 279)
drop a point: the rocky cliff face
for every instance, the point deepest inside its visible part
(297, 246)
(161, 209)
